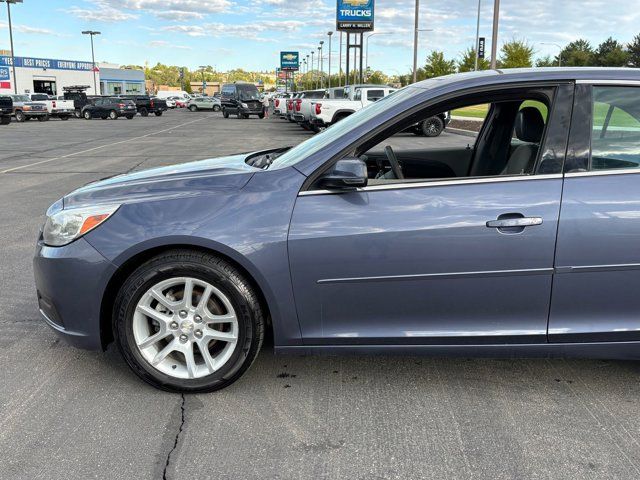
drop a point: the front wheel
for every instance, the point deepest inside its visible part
(77, 114)
(113, 115)
(225, 114)
(432, 127)
(188, 321)
(20, 116)
(87, 115)
(193, 108)
(158, 114)
(216, 108)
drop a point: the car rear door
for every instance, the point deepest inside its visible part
(595, 289)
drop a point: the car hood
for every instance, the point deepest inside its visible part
(183, 180)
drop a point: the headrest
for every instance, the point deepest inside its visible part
(529, 125)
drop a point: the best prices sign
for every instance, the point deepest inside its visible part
(355, 15)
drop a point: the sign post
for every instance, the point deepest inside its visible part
(355, 16)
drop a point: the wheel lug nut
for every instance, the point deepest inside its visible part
(174, 325)
(183, 338)
(198, 333)
(183, 314)
(198, 318)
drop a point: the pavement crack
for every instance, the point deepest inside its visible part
(177, 439)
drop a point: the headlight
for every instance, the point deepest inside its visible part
(244, 105)
(64, 226)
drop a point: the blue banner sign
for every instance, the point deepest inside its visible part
(289, 61)
(46, 63)
(355, 15)
(4, 73)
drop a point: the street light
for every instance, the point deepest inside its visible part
(415, 43)
(93, 59)
(475, 69)
(559, 53)
(321, 64)
(13, 62)
(330, 34)
(367, 46)
(312, 74)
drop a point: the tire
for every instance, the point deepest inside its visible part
(225, 114)
(5, 120)
(104, 117)
(64, 118)
(216, 108)
(261, 116)
(43, 118)
(113, 115)
(240, 115)
(193, 108)
(20, 116)
(432, 127)
(158, 114)
(171, 268)
(87, 115)
(129, 117)
(144, 112)
(77, 114)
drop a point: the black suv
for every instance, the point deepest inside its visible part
(241, 99)
(109, 107)
(6, 110)
(146, 104)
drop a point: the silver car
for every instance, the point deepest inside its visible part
(204, 103)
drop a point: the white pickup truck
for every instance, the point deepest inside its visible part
(304, 104)
(62, 109)
(325, 113)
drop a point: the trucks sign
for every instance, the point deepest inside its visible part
(289, 61)
(355, 15)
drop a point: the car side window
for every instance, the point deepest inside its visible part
(615, 137)
(374, 95)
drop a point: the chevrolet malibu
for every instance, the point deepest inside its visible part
(518, 237)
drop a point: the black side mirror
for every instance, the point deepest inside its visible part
(346, 174)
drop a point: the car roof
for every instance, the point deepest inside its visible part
(515, 75)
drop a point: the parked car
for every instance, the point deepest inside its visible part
(6, 109)
(62, 109)
(280, 103)
(328, 112)
(305, 105)
(24, 109)
(174, 93)
(109, 107)
(204, 103)
(77, 93)
(180, 102)
(241, 99)
(146, 104)
(522, 243)
(171, 103)
(432, 126)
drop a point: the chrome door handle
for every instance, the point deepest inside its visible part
(515, 222)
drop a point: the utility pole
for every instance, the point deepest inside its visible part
(92, 33)
(476, 48)
(415, 43)
(494, 37)
(330, 34)
(13, 60)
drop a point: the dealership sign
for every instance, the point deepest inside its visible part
(355, 15)
(46, 63)
(4, 73)
(289, 61)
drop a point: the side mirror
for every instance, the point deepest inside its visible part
(346, 174)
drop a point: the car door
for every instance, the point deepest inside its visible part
(425, 263)
(595, 290)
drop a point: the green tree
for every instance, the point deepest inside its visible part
(611, 53)
(578, 53)
(437, 66)
(516, 54)
(546, 62)
(377, 78)
(467, 62)
(633, 49)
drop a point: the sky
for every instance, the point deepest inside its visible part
(249, 33)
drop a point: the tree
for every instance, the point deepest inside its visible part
(546, 62)
(467, 62)
(611, 53)
(377, 78)
(633, 49)
(516, 54)
(437, 66)
(578, 53)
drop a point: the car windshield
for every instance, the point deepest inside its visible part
(249, 93)
(318, 142)
(20, 98)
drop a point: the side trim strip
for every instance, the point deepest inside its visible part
(599, 268)
(622, 83)
(421, 276)
(435, 183)
(603, 173)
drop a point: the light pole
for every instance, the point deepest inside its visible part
(93, 59)
(312, 74)
(321, 64)
(415, 43)
(204, 84)
(330, 34)
(13, 61)
(340, 62)
(475, 69)
(367, 47)
(494, 36)
(559, 53)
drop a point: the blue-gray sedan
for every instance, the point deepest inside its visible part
(524, 240)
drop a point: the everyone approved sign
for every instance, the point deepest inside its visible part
(355, 15)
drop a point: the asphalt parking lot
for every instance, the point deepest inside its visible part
(67, 413)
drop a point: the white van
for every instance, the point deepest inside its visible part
(164, 94)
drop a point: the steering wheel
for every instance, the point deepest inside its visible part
(393, 160)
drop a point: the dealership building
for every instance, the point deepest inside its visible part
(50, 76)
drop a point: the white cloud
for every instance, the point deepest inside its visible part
(32, 30)
(167, 45)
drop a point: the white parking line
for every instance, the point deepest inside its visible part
(9, 170)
